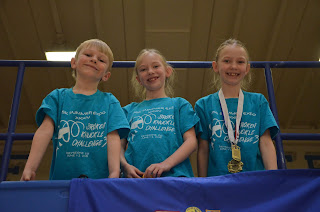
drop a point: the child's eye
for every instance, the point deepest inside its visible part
(156, 66)
(102, 61)
(88, 55)
(226, 61)
(142, 69)
(241, 61)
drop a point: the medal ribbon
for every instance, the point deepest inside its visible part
(232, 137)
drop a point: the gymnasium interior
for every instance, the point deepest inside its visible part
(184, 31)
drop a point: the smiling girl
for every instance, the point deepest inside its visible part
(162, 134)
(237, 126)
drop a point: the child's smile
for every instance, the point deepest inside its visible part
(233, 74)
(153, 79)
(91, 66)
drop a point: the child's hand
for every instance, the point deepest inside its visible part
(132, 172)
(28, 175)
(156, 170)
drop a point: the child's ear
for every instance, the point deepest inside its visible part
(169, 71)
(215, 67)
(248, 68)
(73, 63)
(138, 79)
(106, 76)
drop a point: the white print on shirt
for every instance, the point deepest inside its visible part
(215, 130)
(81, 135)
(142, 120)
(218, 129)
(154, 120)
(77, 154)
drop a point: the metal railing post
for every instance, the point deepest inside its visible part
(272, 100)
(12, 123)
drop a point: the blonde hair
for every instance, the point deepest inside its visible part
(139, 90)
(100, 46)
(216, 82)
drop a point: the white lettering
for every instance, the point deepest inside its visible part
(93, 143)
(159, 128)
(166, 122)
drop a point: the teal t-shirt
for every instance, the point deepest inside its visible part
(80, 136)
(156, 132)
(256, 119)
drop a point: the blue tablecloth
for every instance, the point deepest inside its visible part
(278, 190)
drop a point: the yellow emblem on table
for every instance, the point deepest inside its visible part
(193, 209)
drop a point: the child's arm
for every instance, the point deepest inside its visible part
(41, 140)
(203, 157)
(268, 151)
(129, 170)
(114, 147)
(183, 152)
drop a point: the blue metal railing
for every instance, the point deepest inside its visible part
(10, 136)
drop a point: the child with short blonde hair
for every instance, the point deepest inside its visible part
(84, 123)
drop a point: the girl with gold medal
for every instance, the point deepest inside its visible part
(237, 126)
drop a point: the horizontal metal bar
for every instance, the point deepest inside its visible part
(3, 136)
(286, 64)
(17, 136)
(300, 136)
(312, 157)
(17, 157)
(34, 63)
(175, 64)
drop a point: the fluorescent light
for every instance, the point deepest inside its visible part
(60, 56)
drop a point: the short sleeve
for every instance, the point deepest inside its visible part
(117, 119)
(201, 126)
(126, 110)
(188, 117)
(49, 107)
(267, 119)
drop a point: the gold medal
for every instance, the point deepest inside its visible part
(235, 166)
(236, 154)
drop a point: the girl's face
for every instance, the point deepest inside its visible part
(91, 64)
(152, 73)
(232, 65)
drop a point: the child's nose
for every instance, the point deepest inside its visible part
(233, 64)
(151, 71)
(94, 59)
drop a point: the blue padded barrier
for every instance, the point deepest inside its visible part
(263, 191)
(10, 136)
(34, 196)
